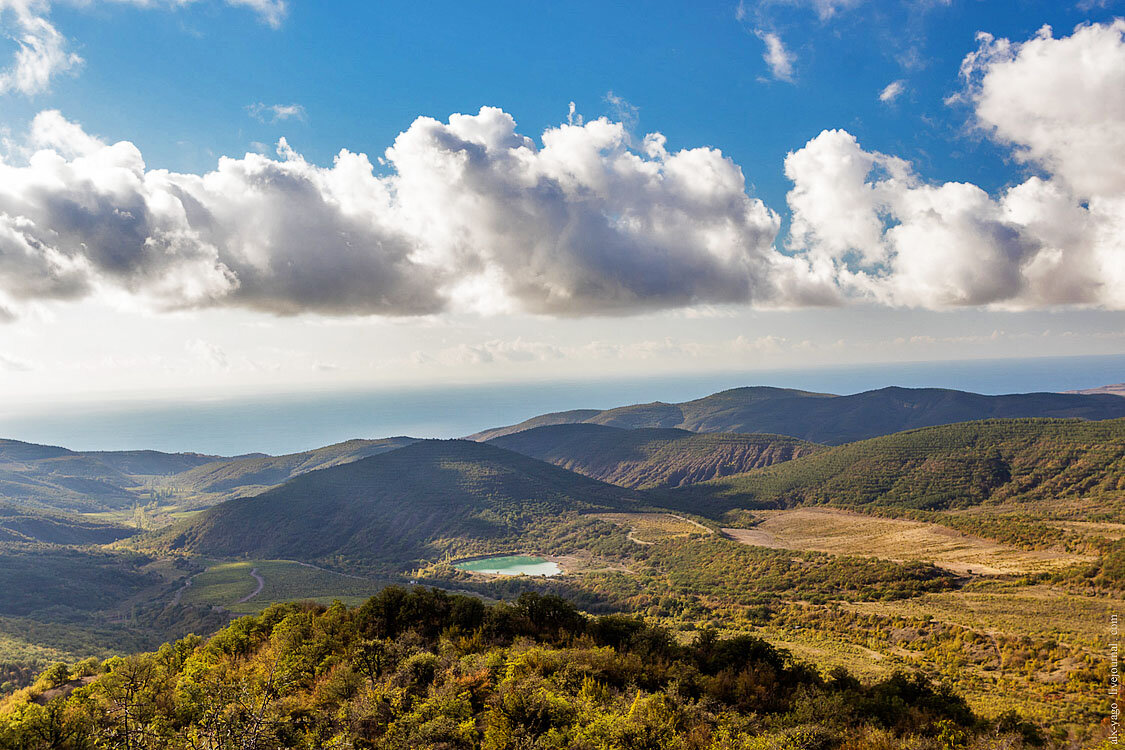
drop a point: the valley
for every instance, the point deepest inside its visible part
(984, 555)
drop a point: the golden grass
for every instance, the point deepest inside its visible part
(1094, 528)
(844, 533)
(224, 584)
(650, 528)
(997, 606)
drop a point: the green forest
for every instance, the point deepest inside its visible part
(426, 669)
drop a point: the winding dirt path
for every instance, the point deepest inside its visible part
(261, 584)
(180, 591)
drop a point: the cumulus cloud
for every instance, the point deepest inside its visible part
(473, 215)
(779, 59)
(892, 91)
(868, 220)
(470, 214)
(1059, 102)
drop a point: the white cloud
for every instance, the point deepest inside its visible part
(271, 12)
(777, 57)
(14, 364)
(892, 91)
(620, 110)
(1059, 102)
(42, 51)
(825, 9)
(210, 355)
(271, 113)
(473, 216)
(868, 221)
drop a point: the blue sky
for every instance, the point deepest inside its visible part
(186, 83)
(178, 82)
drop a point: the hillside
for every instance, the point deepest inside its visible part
(944, 468)
(646, 458)
(243, 476)
(393, 511)
(833, 420)
(1117, 389)
(54, 478)
(394, 673)
(22, 524)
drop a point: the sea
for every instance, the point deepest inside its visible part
(291, 422)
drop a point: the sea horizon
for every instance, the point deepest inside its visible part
(292, 422)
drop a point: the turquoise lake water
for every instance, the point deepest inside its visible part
(512, 565)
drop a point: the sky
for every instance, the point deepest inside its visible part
(268, 196)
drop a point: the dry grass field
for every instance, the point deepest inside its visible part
(649, 528)
(1003, 607)
(225, 584)
(845, 533)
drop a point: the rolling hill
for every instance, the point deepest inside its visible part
(829, 419)
(647, 458)
(395, 510)
(54, 478)
(244, 476)
(21, 524)
(947, 467)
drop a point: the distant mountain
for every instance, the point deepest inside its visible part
(245, 476)
(54, 478)
(51, 477)
(396, 510)
(833, 420)
(1117, 389)
(939, 468)
(154, 463)
(21, 524)
(646, 458)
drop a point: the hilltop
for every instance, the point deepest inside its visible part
(139, 486)
(647, 458)
(250, 475)
(1117, 389)
(399, 509)
(830, 419)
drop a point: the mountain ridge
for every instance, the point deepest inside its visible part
(828, 418)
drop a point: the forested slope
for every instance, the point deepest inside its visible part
(424, 669)
(942, 468)
(398, 509)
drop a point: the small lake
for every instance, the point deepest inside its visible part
(512, 565)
